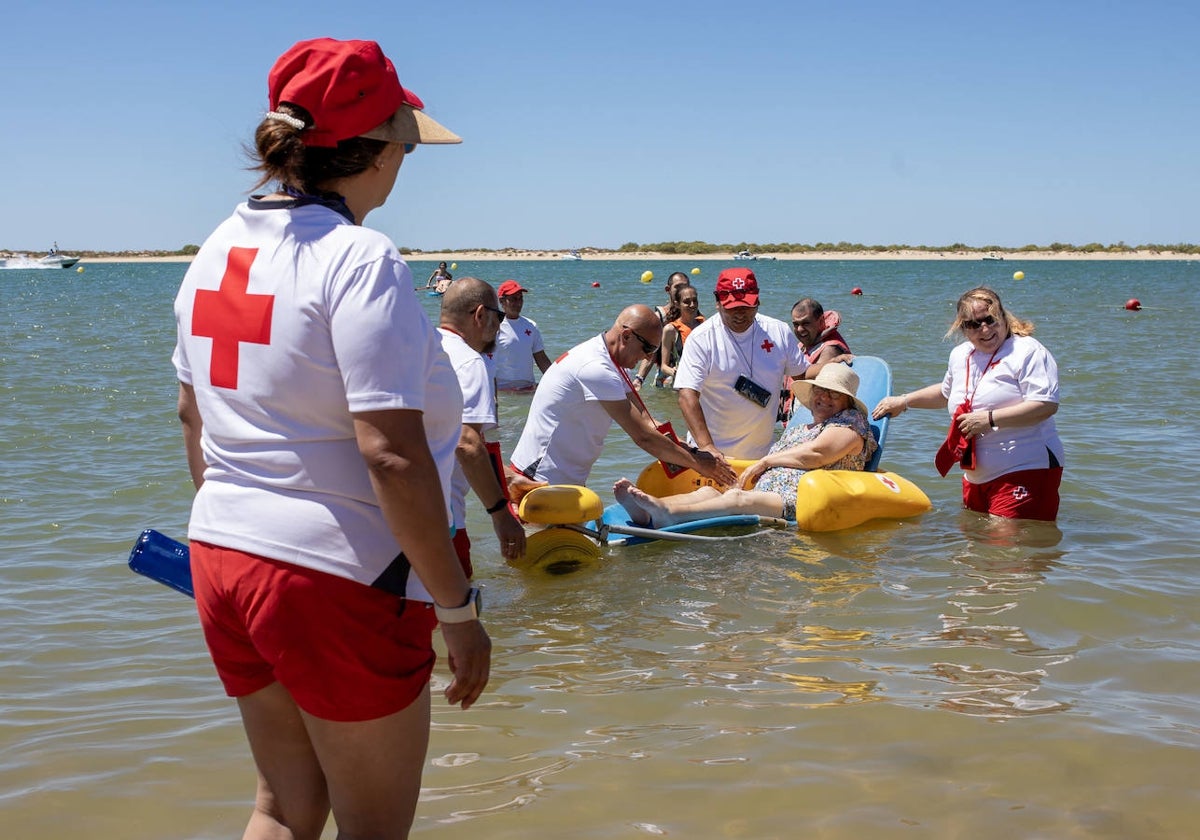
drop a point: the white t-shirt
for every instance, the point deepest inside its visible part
(516, 342)
(564, 432)
(1022, 370)
(712, 360)
(474, 374)
(289, 320)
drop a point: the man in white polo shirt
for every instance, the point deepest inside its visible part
(732, 370)
(584, 392)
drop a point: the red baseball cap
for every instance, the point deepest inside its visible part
(350, 89)
(737, 287)
(510, 287)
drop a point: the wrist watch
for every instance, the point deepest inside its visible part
(467, 612)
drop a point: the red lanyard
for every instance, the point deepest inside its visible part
(971, 399)
(628, 381)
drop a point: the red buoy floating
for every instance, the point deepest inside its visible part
(596, 285)
(1133, 304)
(856, 291)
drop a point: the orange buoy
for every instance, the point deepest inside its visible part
(1133, 304)
(596, 285)
(856, 291)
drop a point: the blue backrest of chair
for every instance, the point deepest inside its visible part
(874, 383)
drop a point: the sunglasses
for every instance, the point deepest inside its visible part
(736, 294)
(985, 321)
(499, 312)
(647, 348)
(409, 148)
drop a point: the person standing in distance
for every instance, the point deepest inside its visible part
(518, 344)
(732, 369)
(320, 418)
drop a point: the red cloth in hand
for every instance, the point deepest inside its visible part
(957, 447)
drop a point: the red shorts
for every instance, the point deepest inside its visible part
(462, 547)
(344, 651)
(1026, 494)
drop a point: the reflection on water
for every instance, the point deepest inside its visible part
(997, 571)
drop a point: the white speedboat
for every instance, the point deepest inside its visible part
(573, 255)
(993, 257)
(54, 260)
(746, 255)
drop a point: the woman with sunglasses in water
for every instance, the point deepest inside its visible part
(1001, 388)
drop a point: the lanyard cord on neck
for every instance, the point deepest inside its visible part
(737, 347)
(628, 381)
(983, 373)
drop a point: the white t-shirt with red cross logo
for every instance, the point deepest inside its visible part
(288, 321)
(516, 342)
(714, 358)
(1022, 369)
(565, 430)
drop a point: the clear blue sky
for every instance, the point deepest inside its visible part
(596, 124)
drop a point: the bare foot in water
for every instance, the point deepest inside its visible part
(642, 508)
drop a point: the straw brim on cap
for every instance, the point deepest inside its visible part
(408, 125)
(835, 377)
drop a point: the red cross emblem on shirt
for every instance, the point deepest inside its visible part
(767, 344)
(528, 331)
(230, 316)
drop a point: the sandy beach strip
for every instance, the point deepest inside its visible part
(513, 254)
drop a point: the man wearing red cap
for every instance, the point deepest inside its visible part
(732, 370)
(518, 344)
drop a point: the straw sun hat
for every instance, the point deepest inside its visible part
(834, 377)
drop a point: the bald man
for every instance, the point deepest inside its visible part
(470, 319)
(584, 392)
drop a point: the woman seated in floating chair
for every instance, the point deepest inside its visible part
(838, 438)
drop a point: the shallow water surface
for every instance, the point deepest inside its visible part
(944, 676)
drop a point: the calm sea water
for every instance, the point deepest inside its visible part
(939, 677)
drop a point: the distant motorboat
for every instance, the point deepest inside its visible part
(746, 255)
(52, 260)
(993, 257)
(573, 255)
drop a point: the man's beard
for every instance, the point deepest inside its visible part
(489, 348)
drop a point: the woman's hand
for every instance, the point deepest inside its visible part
(752, 474)
(974, 423)
(890, 407)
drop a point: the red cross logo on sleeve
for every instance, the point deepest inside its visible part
(767, 344)
(230, 316)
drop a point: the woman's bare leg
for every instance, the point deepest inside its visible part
(368, 773)
(292, 802)
(373, 769)
(703, 503)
